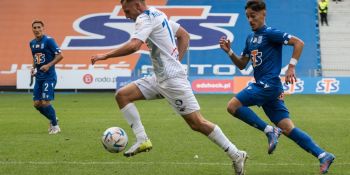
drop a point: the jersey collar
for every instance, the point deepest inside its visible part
(261, 29)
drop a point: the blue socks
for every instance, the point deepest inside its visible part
(247, 115)
(49, 113)
(40, 109)
(305, 142)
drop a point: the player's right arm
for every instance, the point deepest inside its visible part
(132, 46)
(32, 70)
(240, 62)
(143, 28)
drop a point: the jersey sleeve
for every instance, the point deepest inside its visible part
(143, 27)
(53, 46)
(276, 36)
(174, 26)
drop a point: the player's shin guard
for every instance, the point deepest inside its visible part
(305, 142)
(51, 114)
(132, 116)
(248, 116)
(218, 137)
(41, 110)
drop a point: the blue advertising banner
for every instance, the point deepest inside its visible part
(208, 20)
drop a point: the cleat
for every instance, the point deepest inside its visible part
(273, 139)
(325, 162)
(50, 125)
(55, 130)
(139, 147)
(238, 165)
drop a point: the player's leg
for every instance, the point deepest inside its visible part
(306, 142)
(48, 94)
(278, 114)
(37, 97)
(178, 93)
(198, 123)
(238, 107)
(139, 90)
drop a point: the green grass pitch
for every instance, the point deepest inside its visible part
(27, 149)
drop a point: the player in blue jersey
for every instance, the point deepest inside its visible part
(264, 48)
(46, 54)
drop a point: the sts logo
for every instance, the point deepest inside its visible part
(297, 87)
(327, 85)
(111, 30)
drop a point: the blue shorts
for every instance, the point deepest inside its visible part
(44, 89)
(269, 98)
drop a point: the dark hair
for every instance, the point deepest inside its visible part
(37, 21)
(255, 5)
(122, 1)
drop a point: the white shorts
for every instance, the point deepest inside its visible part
(177, 91)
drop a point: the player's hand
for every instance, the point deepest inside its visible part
(45, 68)
(290, 75)
(225, 44)
(32, 72)
(98, 57)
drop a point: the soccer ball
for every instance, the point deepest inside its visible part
(114, 139)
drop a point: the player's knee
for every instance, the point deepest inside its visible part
(287, 129)
(45, 103)
(36, 105)
(231, 108)
(119, 95)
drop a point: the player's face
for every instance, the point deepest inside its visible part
(38, 30)
(256, 18)
(131, 10)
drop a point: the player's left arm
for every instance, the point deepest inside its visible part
(298, 46)
(183, 40)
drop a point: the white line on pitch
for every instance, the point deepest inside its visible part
(153, 163)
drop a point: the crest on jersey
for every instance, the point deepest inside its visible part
(111, 30)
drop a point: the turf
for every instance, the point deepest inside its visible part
(27, 149)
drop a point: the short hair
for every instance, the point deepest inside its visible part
(256, 5)
(37, 21)
(122, 1)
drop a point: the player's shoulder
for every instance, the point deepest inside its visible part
(150, 14)
(271, 30)
(49, 38)
(33, 41)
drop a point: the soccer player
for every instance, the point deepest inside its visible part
(46, 54)
(264, 48)
(169, 80)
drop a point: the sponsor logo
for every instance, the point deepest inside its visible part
(88, 78)
(256, 57)
(296, 87)
(328, 85)
(212, 85)
(111, 30)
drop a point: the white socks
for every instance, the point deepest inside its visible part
(268, 129)
(132, 116)
(218, 137)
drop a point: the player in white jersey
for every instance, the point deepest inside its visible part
(170, 80)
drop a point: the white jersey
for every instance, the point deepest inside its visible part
(154, 28)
